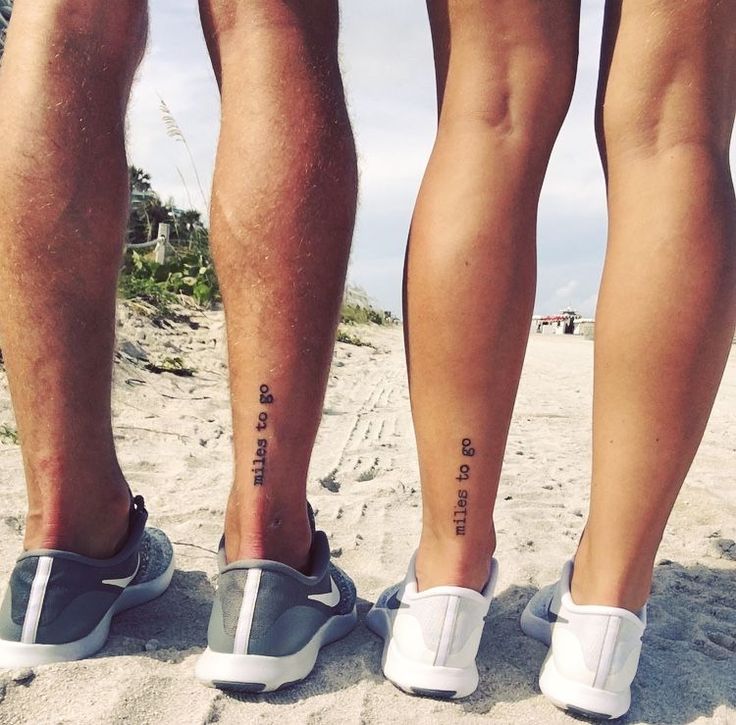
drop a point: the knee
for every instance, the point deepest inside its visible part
(97, 32)
(233, 24)
(658, 121)
(519, 107)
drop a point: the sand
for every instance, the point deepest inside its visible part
(173, 438)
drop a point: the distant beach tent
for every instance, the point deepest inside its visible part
(566, 322)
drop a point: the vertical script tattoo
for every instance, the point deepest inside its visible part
(460, 513)
(259, 462)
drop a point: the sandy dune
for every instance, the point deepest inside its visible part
(173, 438)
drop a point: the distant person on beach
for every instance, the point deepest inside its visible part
(283, 209)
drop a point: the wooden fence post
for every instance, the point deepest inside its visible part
(164, 232)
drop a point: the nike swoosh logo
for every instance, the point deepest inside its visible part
(553, 618)
(393, 602)
(122, 583)
(331, 598)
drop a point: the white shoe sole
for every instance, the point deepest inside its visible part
(417, 678)
(565, 693)
(581, 699)
(261, 673)
(20, 654)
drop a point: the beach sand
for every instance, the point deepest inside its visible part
(174, 443)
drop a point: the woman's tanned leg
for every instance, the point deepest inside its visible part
(667, 304)
(505, 73)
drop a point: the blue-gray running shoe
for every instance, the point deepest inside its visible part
(270, 621)
(6, 7)
(58, 605)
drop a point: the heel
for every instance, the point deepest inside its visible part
(446, 683)
(582, 699)
(262, 673)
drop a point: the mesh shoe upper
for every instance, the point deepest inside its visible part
(5, 10)
(156, 554)
(597, 646)
(268, 608)
(56, 597)
(441, 626)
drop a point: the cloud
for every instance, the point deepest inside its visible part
(566, 290)
(176, 69)
(587, 306)
(386, 55)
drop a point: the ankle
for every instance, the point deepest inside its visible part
(281, 535)
(612, 584)
(447, 563)
(94, 525)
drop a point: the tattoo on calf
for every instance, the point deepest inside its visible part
(259, 462)
(460, 512)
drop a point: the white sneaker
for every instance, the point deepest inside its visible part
(431, 637)
(593, 650)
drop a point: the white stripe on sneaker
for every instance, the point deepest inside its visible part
(608, 649)
(35, 600)
(444, 648)
(247, 608)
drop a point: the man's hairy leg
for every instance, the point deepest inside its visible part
(282, 219)
(64, 80)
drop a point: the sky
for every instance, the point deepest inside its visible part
(386, 57)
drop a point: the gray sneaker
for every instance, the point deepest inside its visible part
(270, 621)
(58, 605)
(6, 7)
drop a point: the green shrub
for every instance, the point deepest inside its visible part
(359, 315)
(190, 273)
(174, 365)
(349, 339)
(8, 435)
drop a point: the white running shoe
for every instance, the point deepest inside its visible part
(431, 637)
(593, 650)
